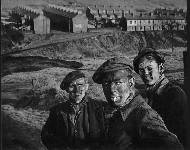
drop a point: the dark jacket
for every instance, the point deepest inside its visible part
(88, 131)
(138, 126)
(170, 101)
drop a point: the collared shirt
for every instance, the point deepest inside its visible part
(74, 126)
(138, 126)
(158, 87)
(76, 109)
(122, 110)
(125, 111)
(170, 101)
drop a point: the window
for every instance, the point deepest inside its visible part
(130, 22)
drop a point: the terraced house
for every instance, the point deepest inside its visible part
(73, 18)
(32, 19)
(66, 18)
(153, 22)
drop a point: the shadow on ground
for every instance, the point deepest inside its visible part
(12, 64)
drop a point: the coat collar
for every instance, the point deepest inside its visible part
(76, 107)
(134, 103)
(158, 88)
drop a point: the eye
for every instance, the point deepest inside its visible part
(118, 82)
(106, 83)
(80, 85)
(71, 85)
(149, 69)
(141, 70)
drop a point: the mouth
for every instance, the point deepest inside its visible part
(147, 79)
(115, 99)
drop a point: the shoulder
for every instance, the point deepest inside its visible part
(174, 87)
(59, 107)
(173, 90)
(149, 117)
(145, 113)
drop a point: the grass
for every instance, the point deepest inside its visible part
(44, 83)
(30, 63)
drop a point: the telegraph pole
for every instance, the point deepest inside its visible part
(186, 55)
(186, 60)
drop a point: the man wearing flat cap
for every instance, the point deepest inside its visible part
(164, 96)
(78, 122)
(131, 123)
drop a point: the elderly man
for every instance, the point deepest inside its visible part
(76, 123)
(131, 123)
(167, 98)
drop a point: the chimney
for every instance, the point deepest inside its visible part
(167, 13)
(151, 14)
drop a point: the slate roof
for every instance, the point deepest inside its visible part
(154, 17)
(29, 11)
(48, 11)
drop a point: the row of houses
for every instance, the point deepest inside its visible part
(147, 23)
(140, 21)
(52, 17)
(78, 19)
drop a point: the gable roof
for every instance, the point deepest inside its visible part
(47, 11)
(28, 11)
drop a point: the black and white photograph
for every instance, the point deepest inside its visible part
(95, 75)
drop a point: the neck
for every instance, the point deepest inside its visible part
(156, 83)
(158, 86)
(129, 98)
(73, 101)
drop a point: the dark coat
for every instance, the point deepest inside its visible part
(170, 101)
(140, 127)
(88, 131)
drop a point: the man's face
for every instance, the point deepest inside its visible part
(77, 90)
(116, 87)
(150, 71)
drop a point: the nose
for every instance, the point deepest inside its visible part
(113, 87)
(77, 89)
(146, 71)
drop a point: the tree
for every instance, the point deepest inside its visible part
(123, 23)
(170, 26)
(10, 37)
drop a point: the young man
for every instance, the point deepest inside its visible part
(76, 123)
(131, 122)
(167, 98)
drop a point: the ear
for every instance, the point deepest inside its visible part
(132, 82)
(161, 68)
(86, 87)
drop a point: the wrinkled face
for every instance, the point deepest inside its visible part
(150, 71)
(77, 90)
(116, 87)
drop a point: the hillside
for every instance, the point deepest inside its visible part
(128, 4)
(30, 82)
(27, 96)
(139, 4)
(105, 43)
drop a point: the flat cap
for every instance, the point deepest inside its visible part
(71, 77)
(147, 51)
(113, 64)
